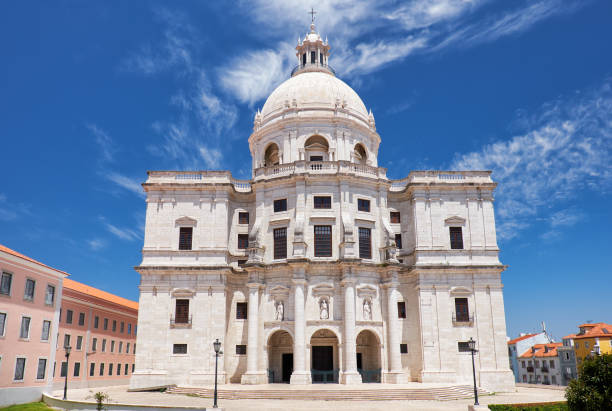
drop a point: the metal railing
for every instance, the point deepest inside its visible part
(544, 369)
(463, 319)
(180, 322)
(324, 377)
(313, 65)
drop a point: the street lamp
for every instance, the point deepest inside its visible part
(67, 348)
(472, 346)
(217, 347)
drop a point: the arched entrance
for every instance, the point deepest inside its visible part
(324, 364)
(280, 357)
(368, 356)
(271, 156)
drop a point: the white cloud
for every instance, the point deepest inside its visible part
(104, 141)
(123, 233)
(127, 183)
(96, 244)
(212, 157)
(566, 148)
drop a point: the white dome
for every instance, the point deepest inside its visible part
(314, 90)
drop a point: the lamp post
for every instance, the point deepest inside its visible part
(67, 348)
(472, 345)
(217, 347)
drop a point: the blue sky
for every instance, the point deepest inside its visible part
(92, 95)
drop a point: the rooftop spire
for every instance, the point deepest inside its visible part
(312, 52)
(312, 13)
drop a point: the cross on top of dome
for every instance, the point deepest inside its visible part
(313, 52)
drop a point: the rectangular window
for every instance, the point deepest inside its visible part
(523, 364)
(129, 328)
(68, 316)
(101, 369)
(363, 205)
(19, 369)
(304, 59)
(81, 318)
(42, 368)
(243, 218)
(94, 344)
(134, 347)
(92, 369)
(122, 327)
(114, 325)
(79, 344)
(313, 57)
(456, 238)
(133, 368)
(25, 327)
(104, 345)
(316, 158)
(243, 241)
(398, 241)
(280, 243)
(118, 369)
(241, 311)
(463, 346)
(120, 346)
(552, 364)
(179, 349)
(96, 321)
(2, 323)
(110, 368)
(395, 217)
(462, 313)
(106, 324)
(77, 369)
(125, 371)
(50, 295)
(524, 378)
(29, 289)
(403, 348)
(241, 349)
(66, 340)
(181, 315)
(322, 202)
(5, 283)
(64, 369)
(112, 346)
(280, 205)
(365, 243)
(127, 348)
(401, 309)
(185, 237)
(322, 241)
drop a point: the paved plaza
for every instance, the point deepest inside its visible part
(120, 395)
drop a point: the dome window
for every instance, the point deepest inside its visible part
(313, 57)
(271, 157)
(360, 154)
(317, 148)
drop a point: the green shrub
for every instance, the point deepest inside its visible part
(549, 406)
(592, 391)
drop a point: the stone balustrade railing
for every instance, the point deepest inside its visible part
(320, 167)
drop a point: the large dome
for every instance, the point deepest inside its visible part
(314, 90)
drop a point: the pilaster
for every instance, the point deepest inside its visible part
(350, 374)
(300, 375)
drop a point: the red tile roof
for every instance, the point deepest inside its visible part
(521, 338)
(570, 336)
(85, 289)
(540, 350)
(595, 330)
(25, 257)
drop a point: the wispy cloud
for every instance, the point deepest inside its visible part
(123, 233)
(96, 244)
(566, 148)
(12, 211)
(104, 142)
(127, 183)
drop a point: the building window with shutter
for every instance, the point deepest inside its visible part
(280, 243)
(79, 343)
(114, 325)
(50, 295)
(5, 283)
(106, 324)
(241, 349)
(2, 324)
(96, 321)
(25, 328)
(462, 313)
(322, 241)
(243, 241)
(398, 240)
(177, 349)
(64, 369)
(280, 205)
(241, 311)
(19, 369)
(463, 346)
(77, 369)
(365, 243)
(322, 202)
(101, 369)
(29, 289)
(401, 309)
(42, 368)
(81, 318)
(395, 217)
(403, 348)
(185, 238)
(94, 344)
(363, 205)
(181, 315)
(456, 238)
(104, 345)
(68, 316)
(46, 330)
(122, 327)
(92, 369)
(243, 218)
(112, 346)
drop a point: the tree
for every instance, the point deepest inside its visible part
(593, 388)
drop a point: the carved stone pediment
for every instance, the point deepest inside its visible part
(366, 291)
(323, 290)
(460, 290)
(182, 293)
(279, 291)
(186, 221)
(455, 220)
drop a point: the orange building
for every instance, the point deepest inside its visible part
(101, 330)
(593, 339)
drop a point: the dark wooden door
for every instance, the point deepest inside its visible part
(323, 358)
(287, 367)
(359, 361)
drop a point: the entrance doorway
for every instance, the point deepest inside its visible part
(324, 357)
(280, 357)
(368, 356)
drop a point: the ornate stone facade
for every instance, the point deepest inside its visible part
(300, 271)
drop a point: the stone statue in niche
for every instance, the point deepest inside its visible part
(367, 310)
(324, 306)
(280, 311)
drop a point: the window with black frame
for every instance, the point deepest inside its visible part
(323, 241)
(462, 313)
(280, 243)
(280, 205)
(363, 205)
(185, 238)
(322, 202)
(365, 243)
(456, 238)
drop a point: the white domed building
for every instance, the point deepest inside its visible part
(320, 269)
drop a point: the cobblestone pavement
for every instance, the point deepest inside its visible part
(120, 395)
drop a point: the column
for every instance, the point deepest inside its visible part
(350, 374)
(253, 375)
(395, 375)
(299, 375)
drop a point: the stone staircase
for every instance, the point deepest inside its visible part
(338, 394)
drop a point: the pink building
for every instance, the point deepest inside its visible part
(30, 295)
(100, 328)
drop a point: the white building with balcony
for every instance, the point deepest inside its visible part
(320, 268)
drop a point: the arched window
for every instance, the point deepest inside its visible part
(360, 154)
(271, 157)
(316, 148)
